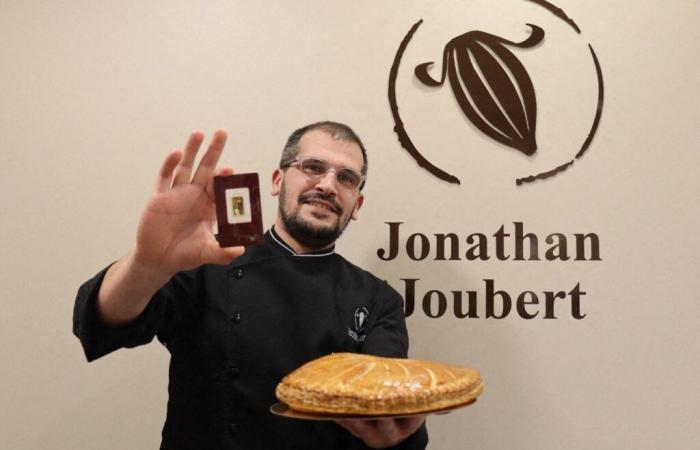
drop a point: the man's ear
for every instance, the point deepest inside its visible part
(277, 176)
(358, 205)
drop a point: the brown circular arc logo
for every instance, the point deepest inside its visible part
(493, 90)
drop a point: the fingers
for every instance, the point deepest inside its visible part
(166, 170)
(350, 426)
(183, 172)
(388, 432)
(386, 427)
(408, 425)
(207, 165)
(225, 171)
(182, 164)
(222, 171)
(367, 430)
(381, 433)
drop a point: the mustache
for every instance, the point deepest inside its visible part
(330, 199)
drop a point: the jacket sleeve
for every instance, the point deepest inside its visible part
(386, 326)
(387, 336)
(166, 312)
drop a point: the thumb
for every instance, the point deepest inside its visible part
(222, 255)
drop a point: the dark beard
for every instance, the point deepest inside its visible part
(310, 236)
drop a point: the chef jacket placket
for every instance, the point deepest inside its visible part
(233, 370)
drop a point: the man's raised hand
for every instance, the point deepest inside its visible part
(174, 233)
(175, 230)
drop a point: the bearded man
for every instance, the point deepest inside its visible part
(236, 320)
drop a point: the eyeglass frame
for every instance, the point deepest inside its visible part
(330, 168)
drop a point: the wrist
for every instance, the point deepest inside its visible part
(127, 288)
(148, 271)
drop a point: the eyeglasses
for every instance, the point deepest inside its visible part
(312, 167)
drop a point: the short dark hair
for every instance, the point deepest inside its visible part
(336, 130)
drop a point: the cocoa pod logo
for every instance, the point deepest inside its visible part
(477, 65)
(494, 91)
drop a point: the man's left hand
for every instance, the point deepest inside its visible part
(382, 433)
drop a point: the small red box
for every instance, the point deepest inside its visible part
(238, 214)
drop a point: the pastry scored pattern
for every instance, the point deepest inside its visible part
(351, 383)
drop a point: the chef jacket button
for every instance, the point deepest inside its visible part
(234, 427)
(234, 371)
(236, 317)
(238, 273)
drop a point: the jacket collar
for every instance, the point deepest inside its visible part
(274, 240)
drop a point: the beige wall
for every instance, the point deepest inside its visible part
(94, 94)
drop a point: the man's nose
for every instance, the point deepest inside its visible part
(328, 182)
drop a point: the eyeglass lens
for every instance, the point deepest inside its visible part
(347, 178)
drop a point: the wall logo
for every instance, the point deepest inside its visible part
(493, 90)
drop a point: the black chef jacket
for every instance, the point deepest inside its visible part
(234, 331)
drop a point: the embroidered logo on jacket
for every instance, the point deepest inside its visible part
(361, 315)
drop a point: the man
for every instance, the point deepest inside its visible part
(235, 321)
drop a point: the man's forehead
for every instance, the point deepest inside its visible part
(323, 145)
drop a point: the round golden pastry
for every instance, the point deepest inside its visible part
(352, 383)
